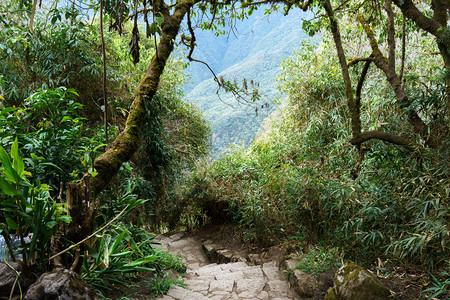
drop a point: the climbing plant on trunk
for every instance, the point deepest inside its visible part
(82, 203)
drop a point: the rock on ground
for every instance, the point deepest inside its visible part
(60, 284)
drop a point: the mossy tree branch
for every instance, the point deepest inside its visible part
(384, 136)
(360, 59)
(410, 10)
(82, 205)
(128, 140)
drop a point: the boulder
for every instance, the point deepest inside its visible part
(8, 278)
(353, 282)
(60, 284)
(303, 284)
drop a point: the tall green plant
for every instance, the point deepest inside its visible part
(26, 209)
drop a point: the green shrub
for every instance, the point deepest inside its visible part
(27, 210)
(318, 260)
(49, 128)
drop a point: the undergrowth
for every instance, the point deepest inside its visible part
(318, 260)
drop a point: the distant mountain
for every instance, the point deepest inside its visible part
(254, 52)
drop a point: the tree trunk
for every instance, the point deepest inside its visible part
(352, 105)
(436, 26)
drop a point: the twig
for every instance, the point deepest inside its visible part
(77, 258)
(181, 151)
(14, 286)
(15, 281)
(85, 239)
(105, 98)
(402, 68)
(60, 192)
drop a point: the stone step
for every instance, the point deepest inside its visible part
(227, 277)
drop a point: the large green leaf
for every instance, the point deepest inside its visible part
(15, 149)
(7, 188)
(141, 261)
(121, 254)
(50, 164)
(11, 224)
(65, 218)
(17, 160)
(10, 173)
(117, 241)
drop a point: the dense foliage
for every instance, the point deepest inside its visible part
(51, 106)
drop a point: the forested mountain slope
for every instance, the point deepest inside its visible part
(253, 50)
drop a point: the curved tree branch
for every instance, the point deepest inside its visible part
(411, 11)
(436, 26)
(360, 59)
(361, 82)
(384, 136)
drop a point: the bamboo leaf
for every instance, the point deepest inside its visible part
(117, 241)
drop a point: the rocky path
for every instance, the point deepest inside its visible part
(232, 280)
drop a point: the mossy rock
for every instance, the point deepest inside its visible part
(353, 282)
(331, 295)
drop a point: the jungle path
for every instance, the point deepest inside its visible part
(218, 274)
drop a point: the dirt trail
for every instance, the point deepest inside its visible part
(232, 280)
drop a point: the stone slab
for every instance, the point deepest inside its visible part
(177, 236)
(253, 272)
(235, 266)
(233, 276)
(197, 285)
(278, 286)
(272, 273)
(221, 285)
(180, 293)
(210, 270)
(250, 285)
